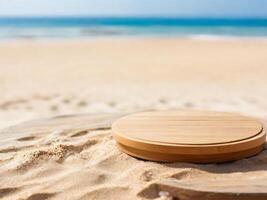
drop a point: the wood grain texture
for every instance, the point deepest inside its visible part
(182, 135)
(195, 158)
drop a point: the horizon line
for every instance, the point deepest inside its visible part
(135, 16)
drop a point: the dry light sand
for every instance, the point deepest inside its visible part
(76, 157)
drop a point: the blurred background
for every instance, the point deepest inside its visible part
(88, 56)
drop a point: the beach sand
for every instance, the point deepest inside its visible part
(42, 79)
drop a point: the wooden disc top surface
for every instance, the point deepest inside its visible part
(186, 128)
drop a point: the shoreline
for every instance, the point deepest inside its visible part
(194, 37)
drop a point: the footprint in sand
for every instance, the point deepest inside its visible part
(41, 196)
(82, 103)
(27, 138)
(66, 100)
(4, 192)
(189, 104)
(54, 108)
(12, 103)
(79, 133)
(163, 101)
(84, 132)
(112, 104)
(42, 97)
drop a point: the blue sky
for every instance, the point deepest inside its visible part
(182, 8)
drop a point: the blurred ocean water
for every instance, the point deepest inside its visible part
(85, 27)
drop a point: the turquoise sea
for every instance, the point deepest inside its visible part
(91, 27)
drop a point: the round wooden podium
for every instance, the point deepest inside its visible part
(189, 136)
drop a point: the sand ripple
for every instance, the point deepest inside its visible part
(75, 157)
